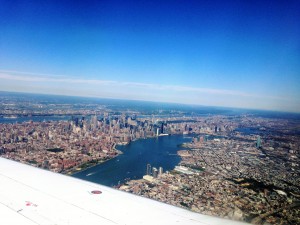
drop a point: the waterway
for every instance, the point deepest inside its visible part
(34, 119)
(132, 164)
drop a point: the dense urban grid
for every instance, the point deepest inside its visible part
(244, 177)
(242, 167)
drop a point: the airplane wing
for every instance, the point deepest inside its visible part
(30, 196)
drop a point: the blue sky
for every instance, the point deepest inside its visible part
(222, 53)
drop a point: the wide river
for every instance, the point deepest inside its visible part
(132, 164)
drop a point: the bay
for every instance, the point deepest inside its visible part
(132, 164)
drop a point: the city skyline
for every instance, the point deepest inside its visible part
(233, 54)
(227, 163)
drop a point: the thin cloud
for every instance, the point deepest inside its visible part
(29, 73)
(34, 77)
(40, 78)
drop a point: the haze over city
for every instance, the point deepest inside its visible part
(234, 53)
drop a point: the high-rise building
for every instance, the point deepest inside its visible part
(148, 169)
(154, 172)
(162, 128)
(160, 171)
(258, 142)
(76, 120)
(157, 131)
(94, 122)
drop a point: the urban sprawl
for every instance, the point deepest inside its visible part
(241, 167)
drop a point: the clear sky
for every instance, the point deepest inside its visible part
(221, 53)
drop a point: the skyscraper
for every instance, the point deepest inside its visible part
(148, 169)
(154, 172)
(258, 142)
(162, 128)
(94, 122)
(160, 171)
(157, 131)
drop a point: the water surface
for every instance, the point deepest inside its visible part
(161, 151)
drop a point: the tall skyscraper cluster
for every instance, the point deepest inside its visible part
(153, 171)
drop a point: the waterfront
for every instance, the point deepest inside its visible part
(34, 119)
(224, 170)
(160, 151)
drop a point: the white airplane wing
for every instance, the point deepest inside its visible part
(30, 196)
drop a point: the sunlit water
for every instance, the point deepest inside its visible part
(132, 164)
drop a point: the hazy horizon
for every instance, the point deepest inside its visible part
(153, 102)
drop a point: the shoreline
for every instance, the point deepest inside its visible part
(78, 169)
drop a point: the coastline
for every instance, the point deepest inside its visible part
(131, 165)
(75, 170)
(87, 165)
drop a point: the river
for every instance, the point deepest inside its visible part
(160, 151)
(34, 119)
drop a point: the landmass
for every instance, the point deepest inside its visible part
(242, 166)
(249, 177)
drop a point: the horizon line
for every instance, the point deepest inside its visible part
(89, 86)
(151, 101)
